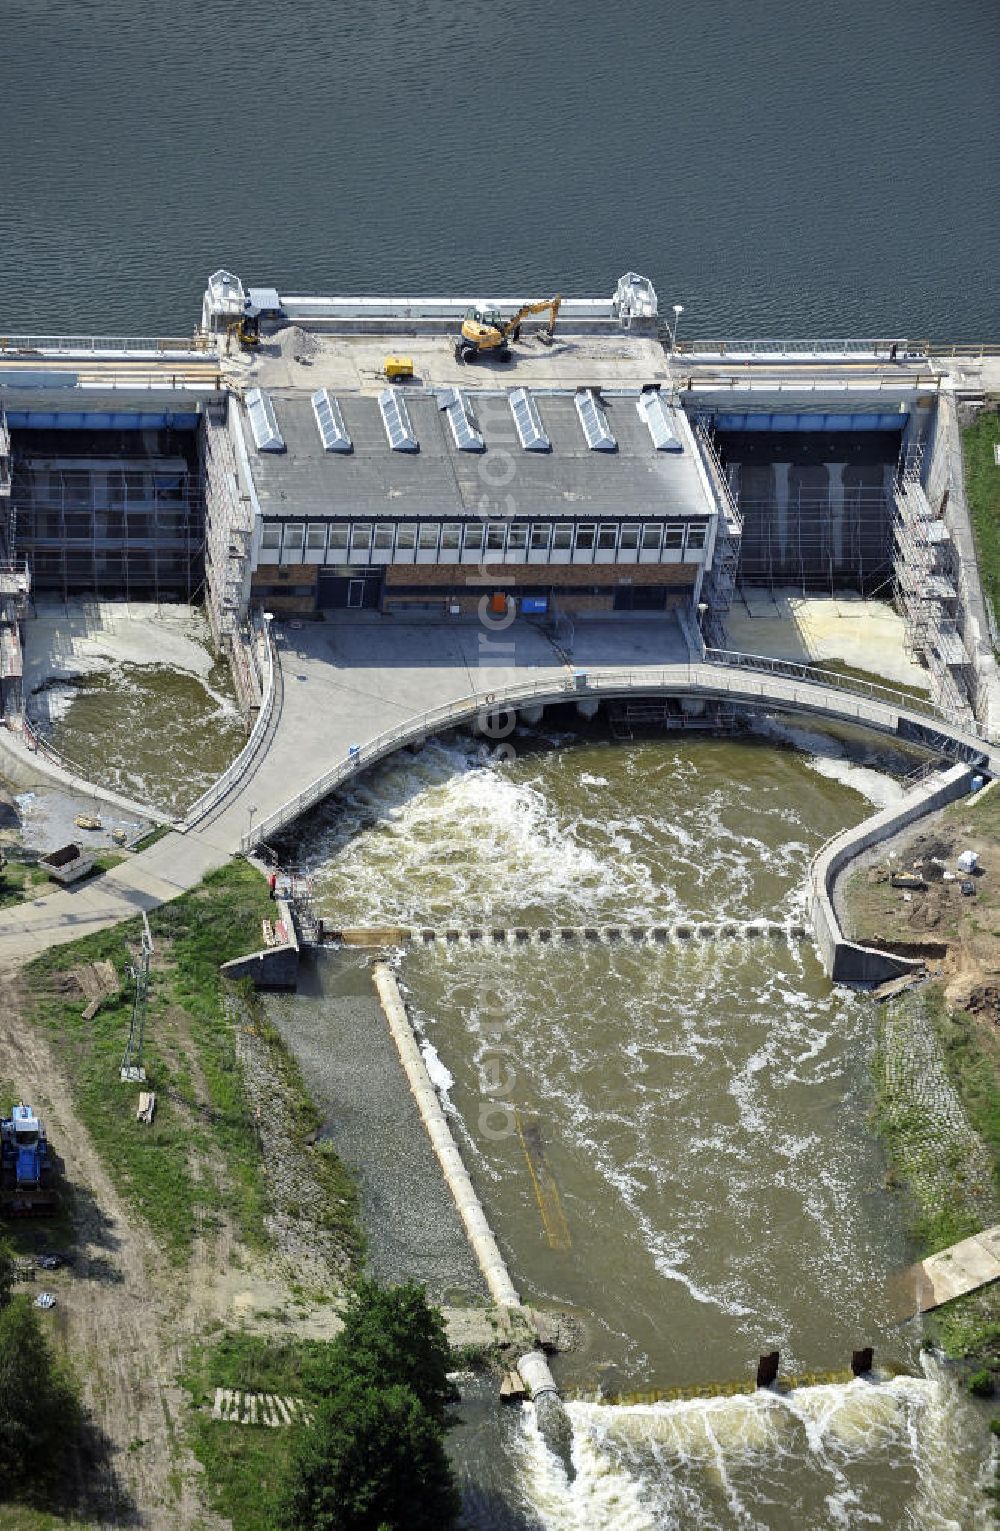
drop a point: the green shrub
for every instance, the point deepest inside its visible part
(373, 1458)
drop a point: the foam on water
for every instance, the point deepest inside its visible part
(441, 831)
(720, 1463)
(439, 1076)
(702, 1109)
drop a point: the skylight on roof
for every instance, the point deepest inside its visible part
(594, 422)
(330, 421)
(658, 416)
(464, 428)
(396, 419)
(528, 421)
(263, 424)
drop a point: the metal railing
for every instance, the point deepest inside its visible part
(237, 769)
(98, 344)
(806, 348)
(875, 706)
(974, 348)
(792, 669)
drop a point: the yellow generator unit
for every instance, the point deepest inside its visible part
(398, 367)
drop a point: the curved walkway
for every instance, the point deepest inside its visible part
(353, 693)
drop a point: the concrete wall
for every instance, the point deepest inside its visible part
(845, 961)
(273, 967)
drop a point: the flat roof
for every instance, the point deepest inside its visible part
(295, 357)
(440, 480)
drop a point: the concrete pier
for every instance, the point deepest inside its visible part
(376, 936)
(964, 1267)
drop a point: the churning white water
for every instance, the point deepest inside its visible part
(674, 1142)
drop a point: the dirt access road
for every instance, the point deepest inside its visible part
(125, 1316)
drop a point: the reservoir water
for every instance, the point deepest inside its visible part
(785, 169)
(674, 1144)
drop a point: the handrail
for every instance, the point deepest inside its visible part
(879, 712)
(98, 343)
(794, 669)
(223, 784)
(783, 346)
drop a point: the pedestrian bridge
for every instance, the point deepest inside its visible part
(749, 682)
(344, 696)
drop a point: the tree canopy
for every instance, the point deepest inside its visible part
(374, 1458)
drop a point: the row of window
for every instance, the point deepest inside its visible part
(493, 538)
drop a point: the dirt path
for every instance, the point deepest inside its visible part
(119, 1312)
(125, 1315)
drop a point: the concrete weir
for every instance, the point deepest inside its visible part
(603, 935)
(533, 1366)
(484, 1245)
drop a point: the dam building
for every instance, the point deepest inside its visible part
(604, 469)
(423, 501)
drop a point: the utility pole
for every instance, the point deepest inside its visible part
(132, 1071)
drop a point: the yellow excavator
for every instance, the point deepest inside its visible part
(245, 329)
(486, 332)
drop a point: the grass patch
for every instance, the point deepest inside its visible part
(145, 841)
(190, 1058)
(982, 483)
(245, 1464)
(933, 1156)
(968, 1328)
(972, 1070)
(105, 860)
(19, 882)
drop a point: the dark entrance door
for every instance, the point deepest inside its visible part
(357, 591)
(640, 597)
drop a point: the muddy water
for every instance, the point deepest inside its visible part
(675, 1142)
(158, 735)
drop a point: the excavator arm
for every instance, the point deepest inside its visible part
(486, 331)
(512, 326)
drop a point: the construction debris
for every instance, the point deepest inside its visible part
(894, 986)
(45, 1300)
(99, 981)
(147, 1106)
(512, 1388)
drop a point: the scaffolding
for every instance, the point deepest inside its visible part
(816, 543)
(720, 579)
(927, 595)
(112, 525)
(15, 588)
(228, 527)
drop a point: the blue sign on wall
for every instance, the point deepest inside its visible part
(534, 605)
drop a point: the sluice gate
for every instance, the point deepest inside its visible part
(557, 935)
